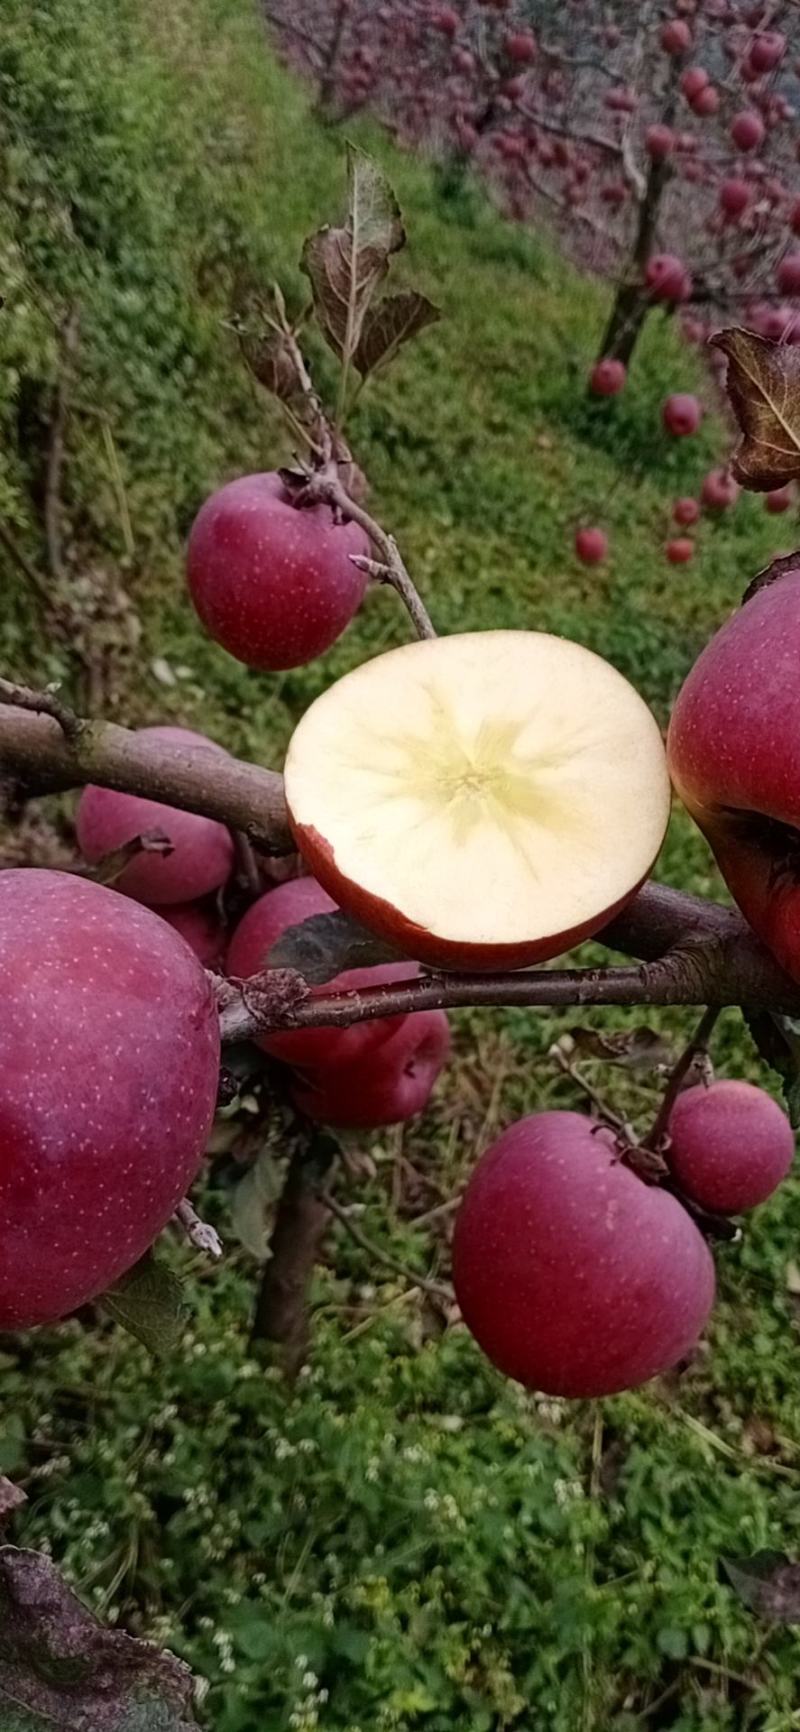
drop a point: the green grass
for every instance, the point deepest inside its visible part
(427, 1542)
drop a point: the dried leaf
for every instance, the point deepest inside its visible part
(61, 1671)
(638, 1048)
(111, 866)
(148, 1302)
(254, 1200)
(764, 388)
(345, 265)
(778, 1041)
(11, 1497)
(771, 573)
(769, 1583)
(326, 944)
(393, 321)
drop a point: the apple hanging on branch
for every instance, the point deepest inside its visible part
(511, 758)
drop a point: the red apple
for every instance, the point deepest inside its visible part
(560, 805)
(248, 953)
(384, 1086)
(734, 764)
(747, 130)
(273, 582)
(109, 1061)
(679, 550)
(685, 511)
(767, 50)
(681, 414)
(659, 142)
(575, 1277)
(676, 37)
(730, 1146)
(706, 101)
(734, 196)
(200, 927)
(778, 500)
(202, 850)
(667, 278)
(794, 218)
(788, 274)
(591, 546)
(607, 377)
(520, 46)
(719, 490)
(693, 80)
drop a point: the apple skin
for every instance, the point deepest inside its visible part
(200, 927)
(679, 550)
(382, 1086)
(203, 853)
(261, 927)
(607, 377)
(428, 947)
(591, 546)
(681, 414)
(731, 1145)
(686, 510)
(733, 751)
(273, 583)
(575, 1277)
(109, 1061)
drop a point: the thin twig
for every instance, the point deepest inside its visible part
(37, 582)
(55, 456)
(199, 1233)
(247, 864)
(392, 569)
(380, 1256)
(697, 1045)
(44, 703)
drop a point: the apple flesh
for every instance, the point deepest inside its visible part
(202, 850)
(384, 1085)
(273, 582)
(574, 1276)
(109, 1059)
(734, 756)
(248, 953)
(731, 1146)
(483, 800)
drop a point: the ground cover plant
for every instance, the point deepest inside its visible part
(402, 1534)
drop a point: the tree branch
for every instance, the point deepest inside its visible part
(325, 485)
(693, 953)
(34, 751)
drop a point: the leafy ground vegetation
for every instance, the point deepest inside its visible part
(403, 1540)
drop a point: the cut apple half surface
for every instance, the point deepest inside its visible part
(482, 801)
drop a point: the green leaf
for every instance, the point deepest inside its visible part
(148, 1302)
(345, 265)
(61, 1671)
(393, 321)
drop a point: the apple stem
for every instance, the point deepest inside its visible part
(696, 1048)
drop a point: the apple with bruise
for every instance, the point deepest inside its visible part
(248, 953)
(574, 1276)
(483, 800)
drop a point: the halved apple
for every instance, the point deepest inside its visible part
(482, 801)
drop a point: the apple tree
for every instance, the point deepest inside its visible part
(661, 140)
(296, 940)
